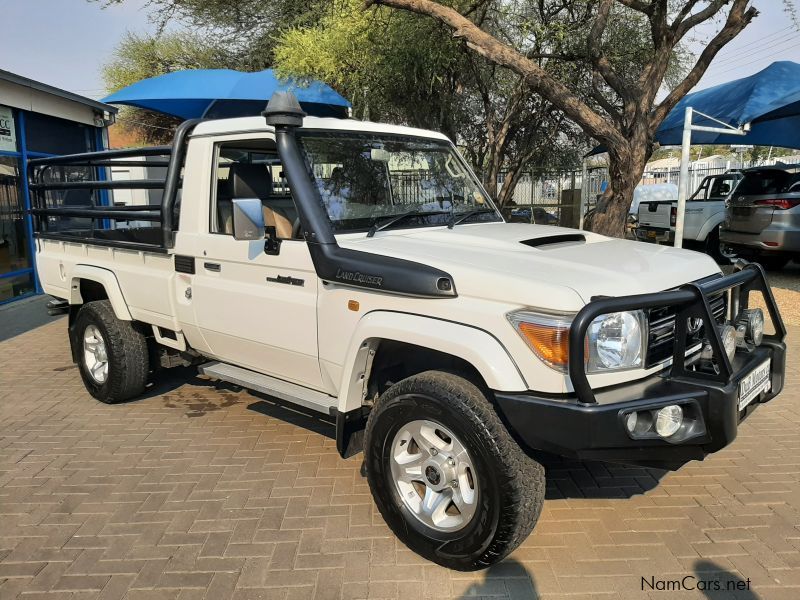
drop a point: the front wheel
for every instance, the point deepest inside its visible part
(447, 476)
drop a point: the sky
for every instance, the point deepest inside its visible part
(65, 42)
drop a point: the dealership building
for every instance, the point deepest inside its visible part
(36, 120)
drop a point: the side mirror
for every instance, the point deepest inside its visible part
(248, 219)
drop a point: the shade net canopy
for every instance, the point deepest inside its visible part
(224, 93)
(768, 100)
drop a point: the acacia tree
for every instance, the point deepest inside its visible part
(625, 114)
(405, 68)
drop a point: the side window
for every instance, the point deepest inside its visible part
(721, 188)
(251, 169)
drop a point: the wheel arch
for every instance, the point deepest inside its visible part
(436, 344)
(88, 283)
(710, 225)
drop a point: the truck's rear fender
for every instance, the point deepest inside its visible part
(107, 280)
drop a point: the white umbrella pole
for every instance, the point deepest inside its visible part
(683, 182)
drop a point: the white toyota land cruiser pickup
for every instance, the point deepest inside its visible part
(359, 270)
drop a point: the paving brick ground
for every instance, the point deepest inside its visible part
(205, 491)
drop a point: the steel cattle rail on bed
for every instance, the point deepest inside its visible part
(54, 218)
(690, 301)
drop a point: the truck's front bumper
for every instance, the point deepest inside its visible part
(591, 423)
(567, 427)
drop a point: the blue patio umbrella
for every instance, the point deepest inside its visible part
(768, 100)
(222, 93)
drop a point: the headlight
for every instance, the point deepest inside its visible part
(613, 342)
(546, 334)
(616, 341)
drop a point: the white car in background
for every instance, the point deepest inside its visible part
(705, 213)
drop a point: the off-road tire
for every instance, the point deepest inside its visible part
(511, 485)
(128, 357)
(713, 247)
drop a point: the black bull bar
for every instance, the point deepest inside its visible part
(691, 301)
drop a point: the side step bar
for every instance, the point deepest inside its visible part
(57, 306)
(290, 392)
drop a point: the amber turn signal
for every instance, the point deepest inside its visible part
(546, 334)
(353, 304)
(549, 342)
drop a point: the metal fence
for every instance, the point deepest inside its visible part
(558, 193)
(553, 197)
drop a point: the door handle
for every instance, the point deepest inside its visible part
(288, 280)
(216, 267)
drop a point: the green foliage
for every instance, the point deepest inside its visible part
(139, 57)
(404, 68)
(392, 67)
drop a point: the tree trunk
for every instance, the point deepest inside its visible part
(626, 166)
(510, 182)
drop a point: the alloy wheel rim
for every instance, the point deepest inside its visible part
(434, 475)
(95, 356)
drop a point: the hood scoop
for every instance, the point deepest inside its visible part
(550, 241)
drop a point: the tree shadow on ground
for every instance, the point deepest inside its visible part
(717, 583)
(509, 579)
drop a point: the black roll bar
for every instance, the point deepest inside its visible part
(164, 214)
(113, 213)
(85, 158)
(101, 184)
(173, 179)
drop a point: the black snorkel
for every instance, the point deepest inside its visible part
(332, 263)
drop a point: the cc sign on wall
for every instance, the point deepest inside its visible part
(8, 136)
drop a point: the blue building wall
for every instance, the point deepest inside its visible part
(37, 136)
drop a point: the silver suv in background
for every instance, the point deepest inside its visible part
(763, 218)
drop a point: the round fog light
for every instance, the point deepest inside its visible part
(631, 420)
(727, 334)
(668, 420)
(753, 321)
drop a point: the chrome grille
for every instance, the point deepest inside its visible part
(661, 337)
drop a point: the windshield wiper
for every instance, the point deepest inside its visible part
(376, 226)
(457, 218)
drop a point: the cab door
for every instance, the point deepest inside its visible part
(254, 309)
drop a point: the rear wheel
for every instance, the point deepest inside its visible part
(112, 355)
(446, 475)
(717, 249)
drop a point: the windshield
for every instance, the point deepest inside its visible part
(364, 179)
